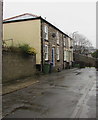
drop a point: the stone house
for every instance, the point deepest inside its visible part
(52, 45)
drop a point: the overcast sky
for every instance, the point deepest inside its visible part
(68, 17)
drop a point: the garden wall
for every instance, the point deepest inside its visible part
(84, 59)
(16, 66)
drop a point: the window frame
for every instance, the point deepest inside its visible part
(46, 52)
(58, 38)
(58, 53)
(45, 32)
(65, 55)
(64, 42)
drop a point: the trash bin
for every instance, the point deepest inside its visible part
(77, 65)
(46, 68)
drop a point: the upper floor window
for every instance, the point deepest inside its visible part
(68, 42)
(71, 42)
(46, 32)
(64, 41)
(57, 38)
(46, 52)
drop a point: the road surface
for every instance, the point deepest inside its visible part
(67, 94)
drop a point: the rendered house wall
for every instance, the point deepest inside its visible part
(24, 32)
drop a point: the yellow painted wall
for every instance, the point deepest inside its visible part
(24, 32)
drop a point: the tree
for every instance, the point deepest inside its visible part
(95, 54)
(81, 44)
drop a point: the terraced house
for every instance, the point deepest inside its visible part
(52, 45)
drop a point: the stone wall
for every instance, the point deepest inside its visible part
(16, 66)
(84, 59)
(52, 43)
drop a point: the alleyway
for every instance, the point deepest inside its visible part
(67, 94)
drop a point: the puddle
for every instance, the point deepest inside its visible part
(90, 76)
(61, 86)
(78, 73)
(27, 107)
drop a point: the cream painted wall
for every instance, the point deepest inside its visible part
(24, 32)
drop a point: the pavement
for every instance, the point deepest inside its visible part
(25, 82)
(18, 84)
(67, 94)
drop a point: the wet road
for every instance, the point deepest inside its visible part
(67, 94)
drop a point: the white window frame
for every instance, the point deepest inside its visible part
(57, 34)
(65, 55)
(46, 32)
(70, 56)
(46, 52)
(64, 41)
(58, 53)
(69, 42)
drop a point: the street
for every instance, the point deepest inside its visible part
(67, 94)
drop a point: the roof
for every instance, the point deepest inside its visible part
(27, 17)
(21, 17)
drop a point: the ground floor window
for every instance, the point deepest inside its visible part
(46, 52)
(58, 54)
(65, 56)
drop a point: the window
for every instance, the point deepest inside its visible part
(71, 43)
(57, 38)
(46, 52)
(58, 56)
(65, 56)
(45, 32)
(64, 42)
(67, 43)
(70, 56)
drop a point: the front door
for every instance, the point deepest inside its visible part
(53, 56)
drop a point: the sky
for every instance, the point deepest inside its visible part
(67, 16)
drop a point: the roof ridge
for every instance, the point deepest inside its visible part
(36, 17)
(21, 15)
(31, 14)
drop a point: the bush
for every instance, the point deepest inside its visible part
(95, 54)
(26, 49)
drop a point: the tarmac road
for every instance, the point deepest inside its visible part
(67, 94)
